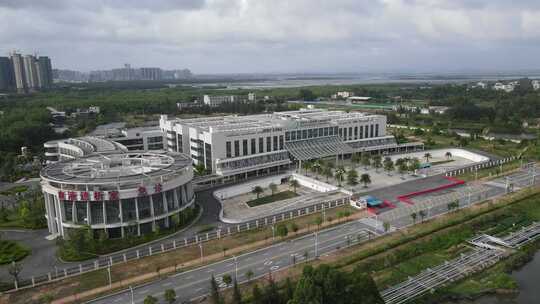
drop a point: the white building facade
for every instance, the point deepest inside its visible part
(245, 146)
(120, 194)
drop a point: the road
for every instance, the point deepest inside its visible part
(195, 283)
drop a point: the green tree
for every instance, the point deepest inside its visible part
(318, 221)
(448, 155)
(366, 160)
(306, 95)
(340, 172)
(47, 298)
(294, 184)
(352, 177)
(170, 296)
(257, 190)
(414, 164)
(237, 296)
(273, 188)
(356, 159)
(249, 274)
(377, 162)
(327, 172)
(386, 226)
(215, 296)
(403, 168)
(227, 279)
(388, 165)
(422, 214)
(294, 227)
(281, 230)
(316, 167)
(427, 156)
(413, 216)
(257, 296)
(150, 300)
(365, 179)
(289, 290)
(306, 165)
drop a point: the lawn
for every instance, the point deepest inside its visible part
(272, 198)
(12, 251)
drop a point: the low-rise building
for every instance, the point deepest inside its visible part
(216, 100)
(242, 146)
(358, 99)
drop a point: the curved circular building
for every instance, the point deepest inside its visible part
(119, 193)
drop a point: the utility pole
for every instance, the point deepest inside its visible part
(132, 297)
(273, 233)
(109, 272)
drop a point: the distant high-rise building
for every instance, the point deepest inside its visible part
(31, 72)
(7, 81)
(44, 67)
(151, 74)
(18, 72)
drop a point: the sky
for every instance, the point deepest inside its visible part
(277, 36)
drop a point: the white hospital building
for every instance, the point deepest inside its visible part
(238, 147)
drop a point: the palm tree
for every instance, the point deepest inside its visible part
(306, 166)
(340, 172)
(249, 274)
(366, 160)
(273, 188)
(388, 165)
(422, 214)
(414, 164)
(386, 226)
(327, 172)
(170, 296)
(365, 179)
(427, 156)
(402, 168)
(316, 166)
(413, 216)
(294, 184)
(377, 162)
(448, 155)
(355, 159)
(257, 190)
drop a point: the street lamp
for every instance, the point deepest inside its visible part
(273, 233)
(316, 244)
(132, 297)
(235, 267)
(109, 272)
(200, 246)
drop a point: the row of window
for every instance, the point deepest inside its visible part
(310, 133)
(254, 146)
(253, 161)
(172, 199)
(353, 133)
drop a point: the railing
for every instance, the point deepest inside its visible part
(172, 244)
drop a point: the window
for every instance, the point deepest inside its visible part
(330, 131)
(376, 130)
(96, 212)
(112, 209)
(253, 146)
(128, 210)
(321, 132)
(275, 143)
(281, 142)
(310, 133)
(293, 135)
(366, 135)
(68, 211)
(179, 144)
(157, 201)
(143, 204)
(208, 155)
(304, 134)
(371, 131)
(169, 196)
(268, 144)
(356, 132)
(287, 136)
(236, 148)
(340, 132)
(326, 131)
(350, 133)
(228, 148)
(261, 145)
(345, 133)
(298, 135)
(244, 147)
(361, 132)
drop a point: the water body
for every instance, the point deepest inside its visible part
(528, 279)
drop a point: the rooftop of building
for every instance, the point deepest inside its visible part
(287, 119)
(116, 167)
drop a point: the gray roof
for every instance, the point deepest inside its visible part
(317, 147)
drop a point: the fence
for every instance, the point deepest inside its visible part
(478, 166)
(173, 244)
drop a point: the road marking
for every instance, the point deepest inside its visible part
(268, 263)
(144, 291)
(210, 270)
(167, 284)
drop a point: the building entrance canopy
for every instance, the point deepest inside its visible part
(318, 148)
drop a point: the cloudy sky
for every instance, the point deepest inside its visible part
(272, 36)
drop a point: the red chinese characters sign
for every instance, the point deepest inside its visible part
(157, 188)
(113, 195)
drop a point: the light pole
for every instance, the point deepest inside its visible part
(316, 244)
(109, 272)
(235, 267)
(273, 233)
(200, 247)
(132, 297)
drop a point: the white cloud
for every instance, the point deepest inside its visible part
(273, 35)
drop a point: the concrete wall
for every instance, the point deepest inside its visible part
(247, 187)
(440, 153)
(314, 184)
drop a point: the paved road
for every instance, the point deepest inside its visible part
(195, 283)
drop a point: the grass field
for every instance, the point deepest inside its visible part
(12, 251)
(272, 198)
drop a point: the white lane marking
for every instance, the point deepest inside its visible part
(268, 263)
